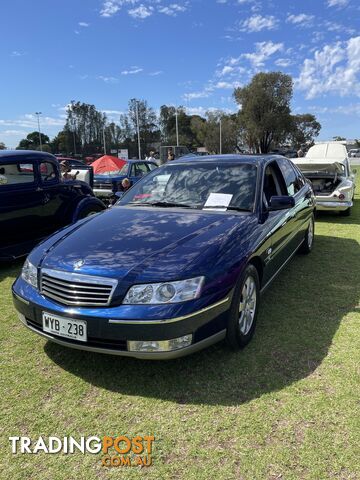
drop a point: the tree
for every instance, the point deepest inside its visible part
(357, 143)
(305, 128)
(148, 126)
(2, 146)
(32, 141)
(208, 132)
(87, 124)
(265, 108)
(338, 139)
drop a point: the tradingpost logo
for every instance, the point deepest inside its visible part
(120, 451)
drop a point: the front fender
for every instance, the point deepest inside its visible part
(85, 203)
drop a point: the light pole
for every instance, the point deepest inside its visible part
(38, 120)
(73, 124)
(220, 137)
(177, 127)
(138, 128)
(104, 141)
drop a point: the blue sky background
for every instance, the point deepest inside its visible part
(180, 52)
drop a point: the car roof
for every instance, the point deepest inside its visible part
(24, 155)
(254, 159)
(136, 160)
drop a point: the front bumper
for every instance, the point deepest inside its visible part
(108, 334)
(102, 192)
(332, 205)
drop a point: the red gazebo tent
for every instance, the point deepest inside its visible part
(108, 164)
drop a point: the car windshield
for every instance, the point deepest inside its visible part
(198, 185)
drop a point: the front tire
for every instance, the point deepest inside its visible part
(244, 309)
(345, 213)
(308, 242)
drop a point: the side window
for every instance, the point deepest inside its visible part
(152, 166)
(132, 170)
(290, 176)
(273, 183)
(47, 172)
(16, 173)
(141, 169)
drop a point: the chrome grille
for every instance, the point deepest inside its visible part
(77, 289)
(103, 186)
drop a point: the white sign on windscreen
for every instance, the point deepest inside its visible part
(218, 201)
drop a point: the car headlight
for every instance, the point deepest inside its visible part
(169, 292)
(29, 273)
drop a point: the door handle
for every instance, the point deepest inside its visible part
(39, 189)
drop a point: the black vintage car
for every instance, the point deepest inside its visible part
(35, 201)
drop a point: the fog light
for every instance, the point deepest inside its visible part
(159, 345)
(341, 196)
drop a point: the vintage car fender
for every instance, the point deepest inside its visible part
(85, 204)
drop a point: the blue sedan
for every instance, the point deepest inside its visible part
(176, 265)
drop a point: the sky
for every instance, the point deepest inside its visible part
(175, 52)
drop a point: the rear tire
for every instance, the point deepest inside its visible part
(244, 309)
(308, 242)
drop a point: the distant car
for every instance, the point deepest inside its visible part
(327, 166)
(106, 185)
(82, 171)
(354, 152)
(35, 201)
(176, 265)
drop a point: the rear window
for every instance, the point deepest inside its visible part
(16, 173)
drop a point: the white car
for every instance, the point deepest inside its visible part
(354, 152)
(327, 166)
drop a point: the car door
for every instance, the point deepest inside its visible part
(20, 203)
(280, 223)
(300, 214)
(138, 170)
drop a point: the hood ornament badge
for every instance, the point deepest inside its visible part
(78, 264)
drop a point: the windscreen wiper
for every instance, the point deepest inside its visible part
(161, 204)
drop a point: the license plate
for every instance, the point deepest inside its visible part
(65, 327)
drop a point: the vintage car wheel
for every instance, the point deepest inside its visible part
(244, 309)
(89, 210)
(308, 242)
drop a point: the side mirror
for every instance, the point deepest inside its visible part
(282, 202)
(354, 171)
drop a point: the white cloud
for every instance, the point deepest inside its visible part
(337, 3)
(29, 120)
(334, 69)
(132, 71)
(301, 19)
(256, 23)
(173, 9)
(84, 24)
(107, 79)
(155, 74)
(141, 9)
(15, 53)
(227, 85)
(194, 95)
(283, 62)
(11, 133)
(263, 50)
(141, 12)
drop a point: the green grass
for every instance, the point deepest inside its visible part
(285, 407)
